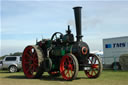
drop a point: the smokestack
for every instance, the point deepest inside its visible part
(77, 12)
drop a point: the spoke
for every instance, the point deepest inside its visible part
(64, 70)
(71, 72)
(35, 59)
(32, 71)
(28, 55)
(31, 68)
(95, 61)
(71, 61)
(71, 68)
(90, 60)
(35, 62)
(67, 72)
(26, 66)
(30, 52)
(26, 62)
(92, 72)
(65, 64)
(68, 59)
(28, 69)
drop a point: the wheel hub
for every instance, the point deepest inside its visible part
(95, 66)
(69, 66)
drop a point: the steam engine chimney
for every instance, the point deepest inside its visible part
(77, 12)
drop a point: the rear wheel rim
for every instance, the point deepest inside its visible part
(13, 69)
(67, 67)
(96, 66)
(30, 62)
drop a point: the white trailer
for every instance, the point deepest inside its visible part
(112, 49)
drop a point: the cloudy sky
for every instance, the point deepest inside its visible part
(22, 21)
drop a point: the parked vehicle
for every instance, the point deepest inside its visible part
(0, 64)
(12, 63)
(113, 48)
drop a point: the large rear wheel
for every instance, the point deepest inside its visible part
(32, 61)
(95, 66)
(69, 67)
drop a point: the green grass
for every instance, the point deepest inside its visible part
(108, 77)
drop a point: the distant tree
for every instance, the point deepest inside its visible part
(16, 54)
(2, 57)
(12, 54)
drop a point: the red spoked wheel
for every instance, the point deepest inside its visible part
(96, 66)
(30, 62)
(69, 67)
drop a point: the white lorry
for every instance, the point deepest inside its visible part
(112, 49)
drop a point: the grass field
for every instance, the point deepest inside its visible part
(108, 77)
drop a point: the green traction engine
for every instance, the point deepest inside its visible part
(61, 55)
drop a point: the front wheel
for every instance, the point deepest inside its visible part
(95, 66)
(69, 67)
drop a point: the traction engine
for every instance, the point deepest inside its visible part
(61, 55)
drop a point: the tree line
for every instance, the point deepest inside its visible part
(12, 54)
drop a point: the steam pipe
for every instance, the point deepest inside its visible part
(77, 13)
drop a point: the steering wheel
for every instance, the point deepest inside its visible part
(56, 36)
